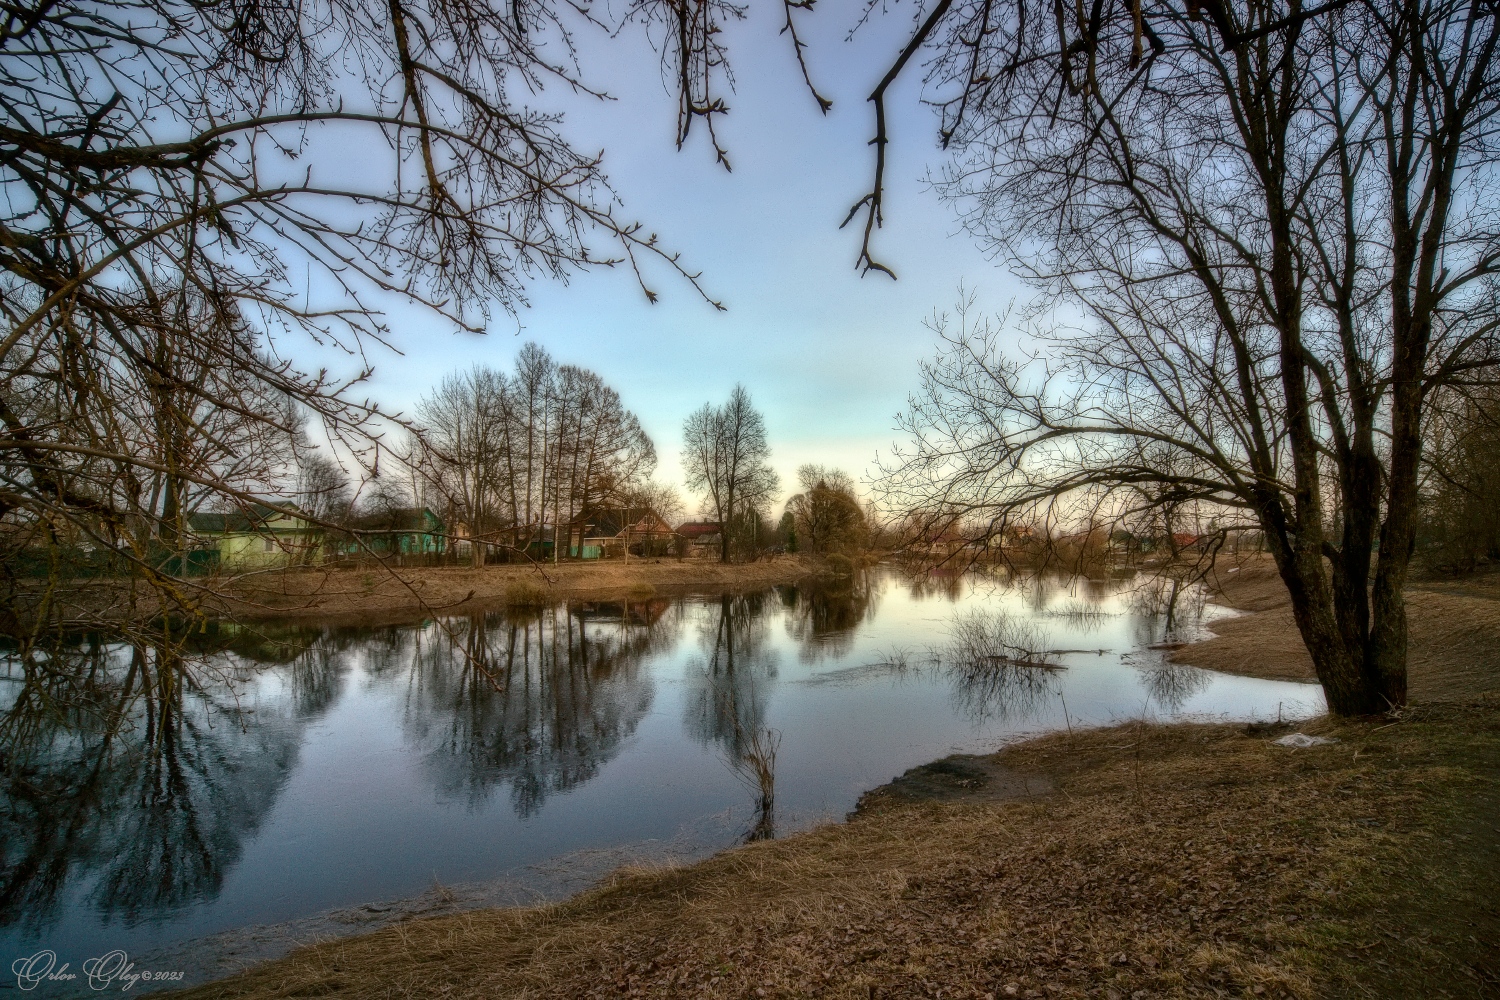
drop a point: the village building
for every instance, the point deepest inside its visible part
(612, 531)
(702, 538)
(260, 536)
(401, 531)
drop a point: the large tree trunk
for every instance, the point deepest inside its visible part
(1358, 647)
(1388, 639)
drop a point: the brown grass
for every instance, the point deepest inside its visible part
(376, 594)
(1183, 861)
(1454, 639)
(368, 594)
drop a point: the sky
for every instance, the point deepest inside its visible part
(828, 356)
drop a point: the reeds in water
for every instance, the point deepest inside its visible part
(755, 764)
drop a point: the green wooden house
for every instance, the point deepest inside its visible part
(261, 536)
(403, 531)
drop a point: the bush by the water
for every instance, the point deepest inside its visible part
(527, 594)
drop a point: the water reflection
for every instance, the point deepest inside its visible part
(824, 617)
(538, 701)
(1170, 685)
(151, 796)
(1000, 665)
(142, 791)
(728, 688)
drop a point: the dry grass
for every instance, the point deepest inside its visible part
(1182, 861)
(1454, 646)
(376, 594)
(527, 594)
(1266, 644)
(1454, 640)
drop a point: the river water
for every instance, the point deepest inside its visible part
(322, 781)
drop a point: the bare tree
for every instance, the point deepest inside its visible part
(1460, 490)
(662, 499)
(724, 460)
(1283, 250)
(322, 488)
(517, 457)
(463, 422)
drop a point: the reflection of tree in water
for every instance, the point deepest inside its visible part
(539, 700)
(145, 796)
(728, 688)
(999, 667)
(729, 684)
(942, 581)
(1169, 604)
(823, 617)
(1170, 684)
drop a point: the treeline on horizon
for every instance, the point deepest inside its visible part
(507, 460)
(513, 457)
(510, 460)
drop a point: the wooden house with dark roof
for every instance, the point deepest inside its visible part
(612, 531)
(701, 537)
(401, 531)
(258, 536)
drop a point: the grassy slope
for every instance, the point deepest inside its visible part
(380, 594)
(383, 592)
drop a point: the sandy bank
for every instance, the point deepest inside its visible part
(1455, 635)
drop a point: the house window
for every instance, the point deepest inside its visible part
(270, 544)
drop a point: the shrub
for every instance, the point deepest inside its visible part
(527, 594)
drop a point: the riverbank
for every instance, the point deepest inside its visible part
(1136, 861)
(376, 594)
(1182, 861)
(1454, 634)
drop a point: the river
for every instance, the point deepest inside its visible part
(319, 781)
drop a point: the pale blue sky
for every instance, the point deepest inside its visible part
(828, 356)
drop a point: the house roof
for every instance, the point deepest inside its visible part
(400, 519)
(607, 523)
(699, 529)
(244, 519)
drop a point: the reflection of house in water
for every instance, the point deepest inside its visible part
(647, 612)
